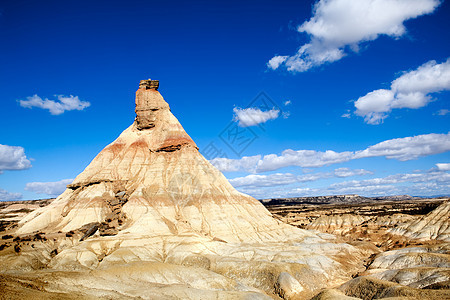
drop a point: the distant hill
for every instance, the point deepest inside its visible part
(334, 199)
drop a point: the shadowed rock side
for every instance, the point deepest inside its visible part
(151, 204)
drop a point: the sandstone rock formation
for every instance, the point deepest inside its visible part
(416, 267)
(152, 180)
(406, 241)
(150, 213)
(337, 224)
(433, 226)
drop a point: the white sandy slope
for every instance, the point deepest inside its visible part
(433, 226)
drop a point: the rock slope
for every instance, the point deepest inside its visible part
(151, 203)
(433, 226)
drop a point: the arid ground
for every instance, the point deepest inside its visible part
(395, 262)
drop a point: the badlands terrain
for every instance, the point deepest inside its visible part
(151, 218)
(403, 251)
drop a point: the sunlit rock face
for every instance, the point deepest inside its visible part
(151, 204)
(155, 182)
(433, 226)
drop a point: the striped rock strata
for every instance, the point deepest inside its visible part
(151, 202)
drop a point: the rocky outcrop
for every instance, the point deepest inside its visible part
(333, 199)
(151, 198)
(337, 224)
(367, 287)
(418, 267)
(148, 103)
(433, 226)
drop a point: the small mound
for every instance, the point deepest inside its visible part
(367, 287)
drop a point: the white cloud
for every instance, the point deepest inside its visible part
(408, 148)
(346, 172)
(424, 183)
(410, 90)
(254, 181)
(428, 78)
(302, 158)
(374, 105)
(287, 102)
(246, 163)
(13, 158)
(7, 196)
(264, 180)
(338, 26)
(443, 166)
(416, 183)
(395, 179)
(442, 112)
(253, 116)
(346, 115)
(56, 107)
(279, 192)
(276, 61)
(402, 149)
(49, 188)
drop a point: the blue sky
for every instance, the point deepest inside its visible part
(368, 84)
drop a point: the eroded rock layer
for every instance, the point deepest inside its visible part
(433, 226)
(150, 197)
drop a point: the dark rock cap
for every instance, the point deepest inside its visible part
(149, 84)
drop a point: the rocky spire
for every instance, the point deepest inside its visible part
(151, 197)
(153, 180)
(148, 102)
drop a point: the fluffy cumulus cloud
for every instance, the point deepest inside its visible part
(276, 61)
(414, 183)
(395, 179)
(408, 148)
(264, 180)
(402, 149)
(302, 158)
(246, 163)
(422, 183)
(50, 188)
(255, 180)
(443, 166)
(7, 196)
(340, 26)
(55, 107)
(13, 158)
(253, 116)
(346, 172)
(410, 90)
